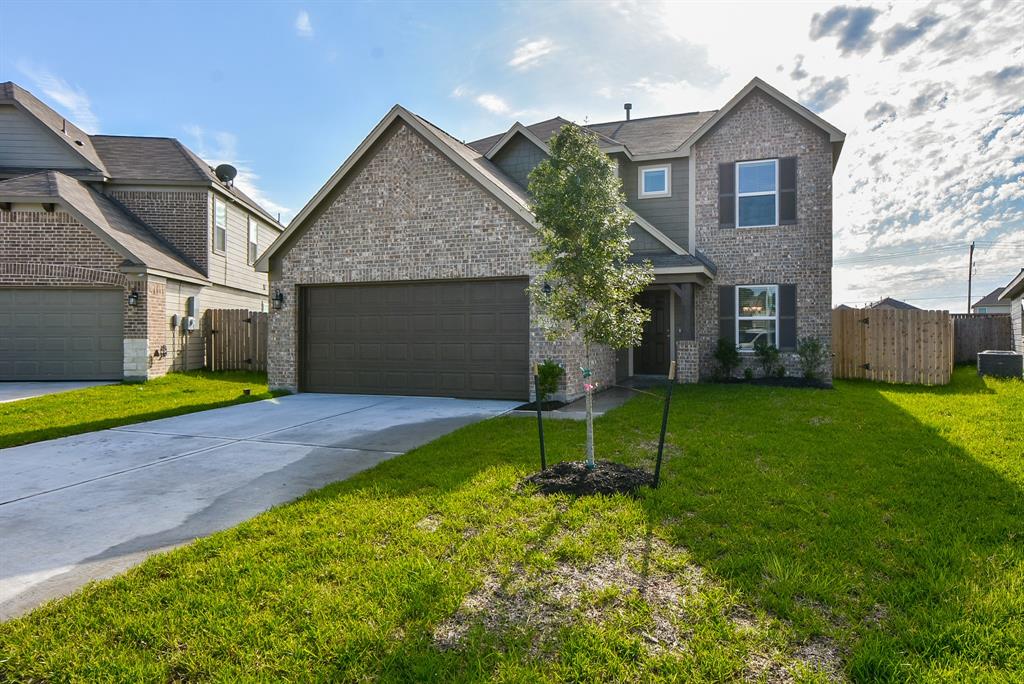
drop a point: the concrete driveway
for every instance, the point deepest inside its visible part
(13, 391)
(89, 506)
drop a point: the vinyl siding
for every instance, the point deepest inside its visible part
(26, 143)
(670, 215)
(185, 349)
(1017, 323)
(517, 158)
(232, 268)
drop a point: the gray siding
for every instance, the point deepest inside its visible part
(232, 268)
(26, 143)
(517, 158)
(1017, 323)
(670, 215)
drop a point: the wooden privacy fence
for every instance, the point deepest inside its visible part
(236, 339)
(889, 345)
(973, 333)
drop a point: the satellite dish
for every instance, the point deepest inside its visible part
(226, 173)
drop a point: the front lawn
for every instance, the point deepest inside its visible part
(871, 532)
(107, 406)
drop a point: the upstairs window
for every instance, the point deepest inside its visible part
(655, 181)
(220, 225)
(254, 229)
(757, 197)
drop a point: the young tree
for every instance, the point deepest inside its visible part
(588, 287)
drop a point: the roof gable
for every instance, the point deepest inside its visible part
(69, 135)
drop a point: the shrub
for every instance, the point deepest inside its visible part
(767, 355)
(748, 373)
(727, 356)
(780, 371)
(549, 374)
(812, 355)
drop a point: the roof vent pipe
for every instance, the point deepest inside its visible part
(628, 106)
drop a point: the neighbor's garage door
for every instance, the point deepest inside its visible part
(60, 334)
(467, 338)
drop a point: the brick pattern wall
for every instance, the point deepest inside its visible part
(180, 217)
(407, 213)
(687, 361)
(43, 249)
(761, 128)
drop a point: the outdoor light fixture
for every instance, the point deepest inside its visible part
(546, 289)
(133, 298)
(278, 299)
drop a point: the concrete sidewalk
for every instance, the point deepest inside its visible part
(13, 391)
(89, 506)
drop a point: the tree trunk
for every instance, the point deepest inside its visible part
(588, 387)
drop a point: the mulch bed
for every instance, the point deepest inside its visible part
(777, 382)
(573, 477)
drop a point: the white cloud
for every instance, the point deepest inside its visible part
(221, 147)
(303, 25)
(530, 53)
(492, 103)
(68, 100)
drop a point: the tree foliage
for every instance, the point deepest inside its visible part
(578, 201)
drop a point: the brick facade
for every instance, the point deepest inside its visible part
(406, 212)
(53, 249)
(687, 361)
(760, 128)
(180, 217)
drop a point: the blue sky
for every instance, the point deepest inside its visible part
(930, 95)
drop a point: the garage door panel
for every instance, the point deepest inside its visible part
(61, 334)
(456, 338)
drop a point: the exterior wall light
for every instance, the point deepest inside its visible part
(278, 299)
(133, 298)
(546, 289)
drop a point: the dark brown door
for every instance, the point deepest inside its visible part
(652, 356)
(465, 338)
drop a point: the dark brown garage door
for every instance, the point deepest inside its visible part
(61, 334)
(466, 338)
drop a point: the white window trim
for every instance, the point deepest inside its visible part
(757, 194)
(736, 296)
(667, 168)
(252, 239)
(214, 244)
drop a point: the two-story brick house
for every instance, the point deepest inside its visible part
(110, 246)
(406, 272)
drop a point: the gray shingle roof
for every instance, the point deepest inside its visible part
(668, 260)
(991, 299)
(891, 303)
(104, 215)
(651, 135)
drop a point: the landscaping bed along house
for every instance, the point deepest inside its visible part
(870, 533)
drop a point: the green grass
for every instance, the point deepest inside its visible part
(107, 406)
(887, 521)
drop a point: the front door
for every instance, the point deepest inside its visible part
(653, 355)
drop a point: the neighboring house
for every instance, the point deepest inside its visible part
(991, 303)
(890, 303)
(109, 245)
(406, 272)
(1014, 293)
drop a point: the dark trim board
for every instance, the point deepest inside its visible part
(456, 338)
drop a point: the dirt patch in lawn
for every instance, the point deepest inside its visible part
(538, 604)
(574, 477)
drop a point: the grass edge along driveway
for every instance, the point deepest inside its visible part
(106, 406)
(872, 532)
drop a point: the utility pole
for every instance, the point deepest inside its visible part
(970, 275)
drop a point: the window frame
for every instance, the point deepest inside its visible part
(252, 244)
(223, 249)
(736, 296)
(667, 192)
(739, 164)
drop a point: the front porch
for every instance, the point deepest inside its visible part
(669, 335)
